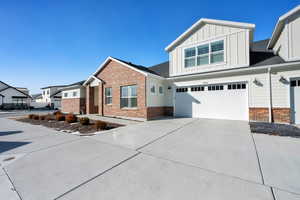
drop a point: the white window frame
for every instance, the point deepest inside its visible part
(74, 93)
(163, 90)
(129, 92)
(65, 95)
(209, 53)
(110, 96)
(152, 85)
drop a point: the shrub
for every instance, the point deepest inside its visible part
(30, 116)
(49, 117)
(60, 117)
(35, 117)
(57, 113)
(84, 121)
(100, 125)
(42, 117)
(71, 118)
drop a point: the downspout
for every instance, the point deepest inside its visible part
(270, 95)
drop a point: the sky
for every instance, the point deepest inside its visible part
(53, 42)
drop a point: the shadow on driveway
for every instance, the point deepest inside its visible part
(3, 133)
(6, 146)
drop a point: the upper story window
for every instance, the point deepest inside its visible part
(44, 92)
(161, 89)
(74, 94)
(108, 95)
(48, 91)
(66, 94)
(204, 54)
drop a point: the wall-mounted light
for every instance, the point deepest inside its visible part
(283, 80)
(257, 82)
(169, 87)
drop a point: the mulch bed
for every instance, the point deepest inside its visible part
(69, 127)
(275, 129)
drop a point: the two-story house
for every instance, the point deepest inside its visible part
(215, 70)
(52, 95)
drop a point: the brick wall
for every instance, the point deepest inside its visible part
(74, 105)
(281, 115)
(155, 112)
(115, 75)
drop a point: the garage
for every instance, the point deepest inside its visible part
(216, 101)
(295, 100)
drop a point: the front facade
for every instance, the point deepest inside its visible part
(13, 98)
(121, 89)
(215, 70)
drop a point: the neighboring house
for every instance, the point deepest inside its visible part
(215, 70)
(52, 95)
(13, 98)
(122, 89)
(219, 72)
(37, 98)
(73, 98)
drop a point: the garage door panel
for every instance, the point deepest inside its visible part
(217, 104)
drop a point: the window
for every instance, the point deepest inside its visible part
(215, 87)
(108, 96)
(197, 88)
(161, 90)
(74, 94)
(44, 92)
(65, 94)
(236, 86)
(152, 89)
(181, 89)
(204, 54)
(295, 83)
(48, 92)
(129, 96)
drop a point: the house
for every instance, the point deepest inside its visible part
(13, 98)
(215, 70)
(122, 89)
(52, 95)
(37, 97)
(73, 98)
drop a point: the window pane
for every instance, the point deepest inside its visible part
(133, 89)
(293, 83)
(203, 60)
(161, 91)
(203, 49)
(217, 46)
(189, 52)
(124, 91)
(229, 87)
(219, 57)
(190, 62)
(152, 89)
(133, 102)
(124, 102)
(107, 91)
(298, 82)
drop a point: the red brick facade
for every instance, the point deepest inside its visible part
(155, 112)
(281, 115)
(73, 105)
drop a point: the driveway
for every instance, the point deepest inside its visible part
(163, 159)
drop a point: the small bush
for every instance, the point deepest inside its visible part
(60, 117)
(30, 116)
(35, 117)
(57, 113)
(100, 125)
(84, 121)
(71, 118)
(42, 117)
(49, 117)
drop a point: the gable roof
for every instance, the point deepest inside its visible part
(161, 69)
(9, 86)
(139, 68)
(36, 96)
(280, 25)
(68, 87)
(2, 95)
(202, 21)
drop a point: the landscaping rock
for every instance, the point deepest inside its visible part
(274, 129)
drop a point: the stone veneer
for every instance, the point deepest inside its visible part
(281, 115)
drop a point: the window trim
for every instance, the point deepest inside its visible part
(129, 96)
(209, 42)
(105, 96)
(151, 86)
(163, 90)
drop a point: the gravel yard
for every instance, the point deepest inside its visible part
(274, 129)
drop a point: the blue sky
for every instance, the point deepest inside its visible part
(59, 42)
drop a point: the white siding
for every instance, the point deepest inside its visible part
(287, 45)
(157, 100)
(236, 45)
(8, 93)
(80, 93)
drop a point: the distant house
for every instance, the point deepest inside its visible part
(14, 98)
(52, 95)
(37, 98)
(73, 98)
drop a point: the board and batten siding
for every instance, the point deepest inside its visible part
(287, 45)
(236, 46)
(80, 93)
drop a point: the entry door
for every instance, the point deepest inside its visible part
(218, 101)
(295, 100)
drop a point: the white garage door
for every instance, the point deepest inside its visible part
(295, 100)
(218, 101)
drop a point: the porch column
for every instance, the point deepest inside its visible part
(89, 100)
(100, 99)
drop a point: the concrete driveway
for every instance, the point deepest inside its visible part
(163, 159)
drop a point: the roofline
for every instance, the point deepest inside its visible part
(54, 86)
(71, 87)
(240, 69)
(209, 21)
(279, 26)
(109, 58)
(2, 95)
(9, 86)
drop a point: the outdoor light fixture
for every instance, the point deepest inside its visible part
(169, 87)
(257, 82)
(283, 80)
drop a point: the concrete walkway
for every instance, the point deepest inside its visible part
(110, 119)
(164, 159)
